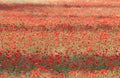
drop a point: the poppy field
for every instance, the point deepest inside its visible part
(60, 39)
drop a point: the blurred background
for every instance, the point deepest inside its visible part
(76, 2)
(29, 1)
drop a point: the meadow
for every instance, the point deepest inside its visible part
(60, 40)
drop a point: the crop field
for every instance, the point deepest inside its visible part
(67, 39)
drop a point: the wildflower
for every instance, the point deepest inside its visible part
(61, 75)
(53, 77)
(103, 72)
